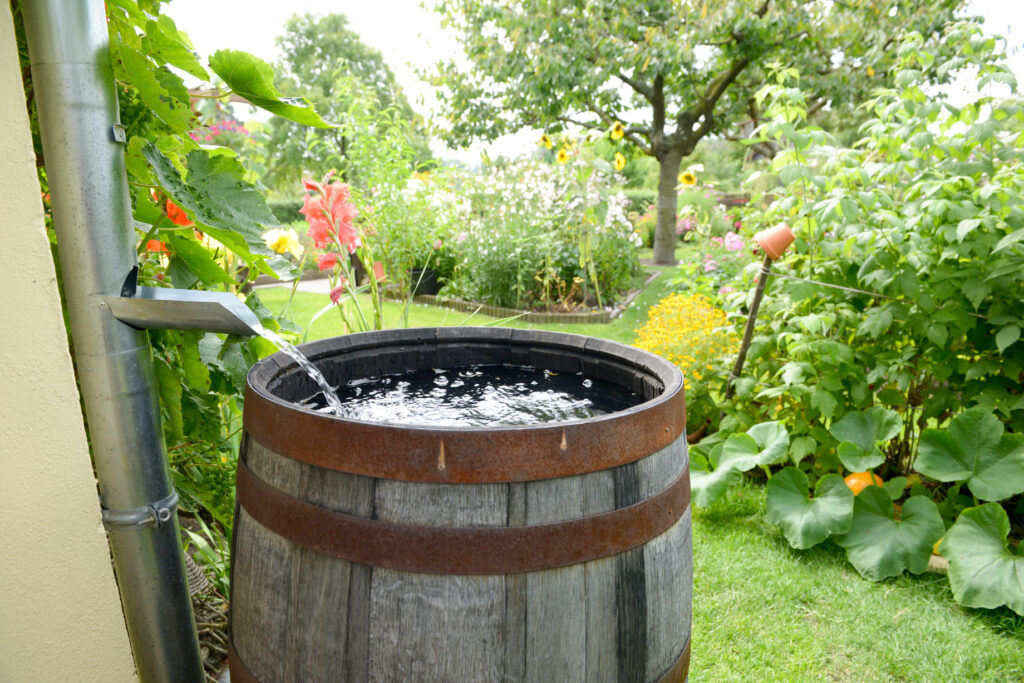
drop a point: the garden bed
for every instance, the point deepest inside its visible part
(591, 317)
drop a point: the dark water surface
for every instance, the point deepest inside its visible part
(487, 395)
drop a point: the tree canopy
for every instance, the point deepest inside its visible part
(323, 60)
(672, 71)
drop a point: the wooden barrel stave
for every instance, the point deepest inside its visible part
(514, 627)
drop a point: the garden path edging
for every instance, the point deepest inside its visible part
(544, 317)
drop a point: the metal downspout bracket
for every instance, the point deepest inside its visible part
(85, 166)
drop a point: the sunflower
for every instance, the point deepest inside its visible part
(617, 131)
(620, 161)
(563, 155)
(687, 178)
(546, 141)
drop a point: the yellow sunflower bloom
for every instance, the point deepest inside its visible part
(687, 178)
(563, 155)
(617, 131)
(620, 162)
(546, 141)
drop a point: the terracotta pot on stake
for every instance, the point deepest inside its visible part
(774, 242)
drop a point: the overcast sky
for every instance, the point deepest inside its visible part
(409, 36)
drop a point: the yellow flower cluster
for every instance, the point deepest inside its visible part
(690, 332)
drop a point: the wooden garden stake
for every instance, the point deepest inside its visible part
(773, 242)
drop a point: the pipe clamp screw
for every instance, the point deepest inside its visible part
(155, 514)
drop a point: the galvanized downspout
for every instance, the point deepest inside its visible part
(74, 92)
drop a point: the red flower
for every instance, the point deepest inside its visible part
(156, 246)
(332, 213)
(177, 214)
(327, 261)
(339, 291)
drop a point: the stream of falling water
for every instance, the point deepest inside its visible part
(335, 404)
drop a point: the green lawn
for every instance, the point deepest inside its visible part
(305, 305)
(766, 612)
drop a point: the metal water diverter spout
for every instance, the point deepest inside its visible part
(82, 143)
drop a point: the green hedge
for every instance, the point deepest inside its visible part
(640, 199)
(286, 210)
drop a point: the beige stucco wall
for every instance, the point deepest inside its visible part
(60, 615)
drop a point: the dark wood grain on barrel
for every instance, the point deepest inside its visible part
(599, 579)
(555, 623)
(464, 637)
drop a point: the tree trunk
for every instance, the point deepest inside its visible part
(665, 232)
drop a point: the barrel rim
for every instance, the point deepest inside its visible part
(466, 454)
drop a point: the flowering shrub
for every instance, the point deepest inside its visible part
(718, 268)
(535, 229)
(689, 331)
(700, 213)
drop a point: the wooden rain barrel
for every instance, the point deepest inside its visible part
(556, 552)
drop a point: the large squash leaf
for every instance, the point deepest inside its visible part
(878, 545)
(707, 482)
(982, 570)
(975, 449)
(808, 521)
(860, 433)
(253, 79)
(763, 444)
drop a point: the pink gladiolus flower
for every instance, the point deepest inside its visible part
(733, 242)
(331, 214)
(337, 293)
(327, 261)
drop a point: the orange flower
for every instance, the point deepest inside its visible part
(156, 246)
(177, 214)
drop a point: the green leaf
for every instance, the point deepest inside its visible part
(976, 291)
(709, 485)
(763, 444)
(253, 79)
(801, 447)
(229, 209)
(862, 431)
(894, 487)
(878, 545)
(982, 570)
(1006, 336)
(876, 322)
(807, 521)
(1011, 239)
(856, 459)
(867, 428)
(974, 449)
(965, 227)
(155, 88)
(198, 258)
(937, 333)
(172, 46)
(824, 402)
(169, 388)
